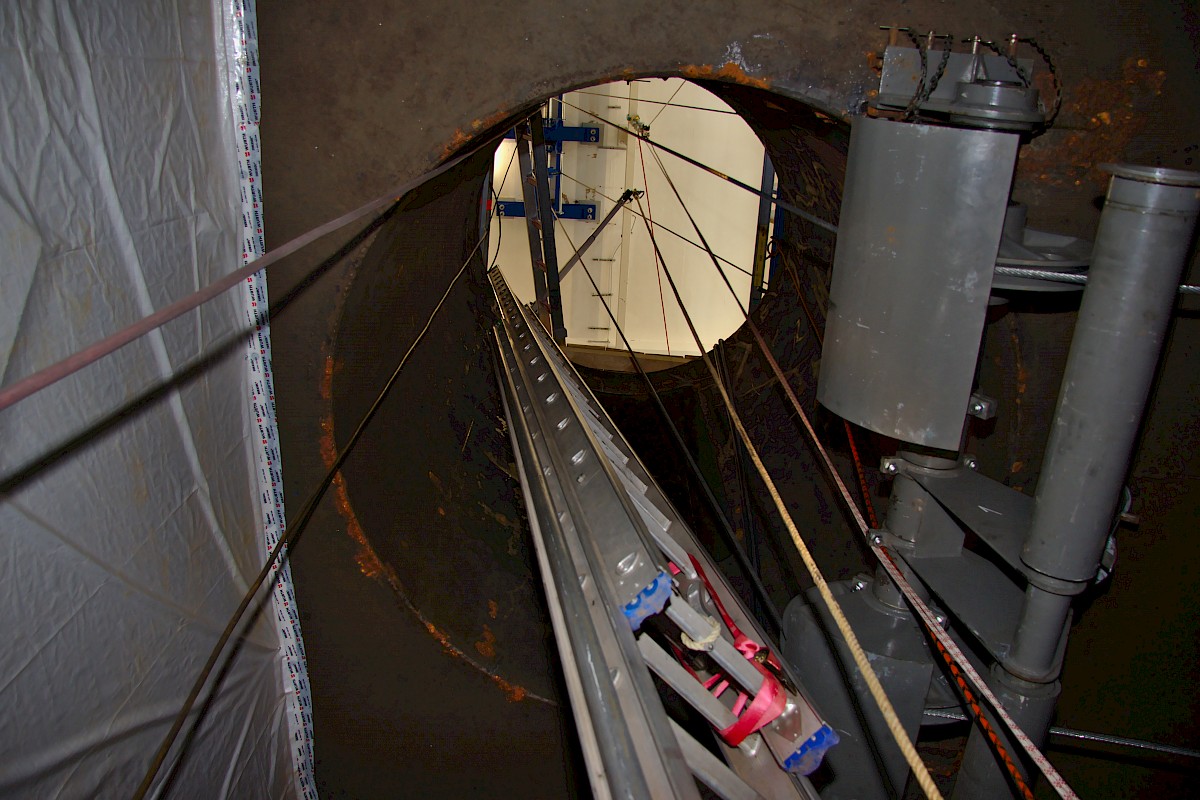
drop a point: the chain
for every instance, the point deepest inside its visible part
(947, 44)
(919, 95)
(1058, 93)
(1012, 62)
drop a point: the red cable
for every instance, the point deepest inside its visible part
(862, 476)
(858, 466)
(657, 271)
(988, 730)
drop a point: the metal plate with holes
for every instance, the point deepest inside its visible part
(602, 529)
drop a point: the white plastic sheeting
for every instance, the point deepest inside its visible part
(133, 517)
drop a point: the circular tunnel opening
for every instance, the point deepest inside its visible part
(432, 490)
(431, 496)
(610, 260)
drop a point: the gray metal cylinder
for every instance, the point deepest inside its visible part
(920, 226)
(1040, 636)
(1141, 249)
(1031, 705)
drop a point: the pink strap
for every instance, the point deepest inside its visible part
(768, 704)
(769, 701)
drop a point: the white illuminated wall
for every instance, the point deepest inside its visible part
(622, 259)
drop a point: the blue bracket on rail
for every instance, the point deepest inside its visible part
(556, 131)
(649, 601)
(516, 208)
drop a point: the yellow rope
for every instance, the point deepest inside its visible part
(860, 658)
(891, 719)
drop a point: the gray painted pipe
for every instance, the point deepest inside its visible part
(1141, 249)
(1031, 705)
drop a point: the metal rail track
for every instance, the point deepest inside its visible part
(635, 601)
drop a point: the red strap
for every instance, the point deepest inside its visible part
(745, 645)
(768, 704)
(769, 701)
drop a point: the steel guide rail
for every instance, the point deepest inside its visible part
(607, 542)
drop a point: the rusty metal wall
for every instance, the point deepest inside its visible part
(361, 96)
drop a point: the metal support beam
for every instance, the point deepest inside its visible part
(1142, 247)
(557, 132)
(532, 222)
(761, 235)
(628, 195)
(511, 209)
(542, 150)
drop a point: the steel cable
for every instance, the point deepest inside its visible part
(726, 528)
(679, 236)
(805, 215)
(654, 119)
(891, 719)
(1068, 277)
(290, 535)
(942, 639)
(650, 227)
(653, 102)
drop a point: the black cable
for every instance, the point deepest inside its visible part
(745, 272)
(290, 535)
(499, 229)
(762, 343)
(726, 529)
(805, 215)
(495, 205)
(662, 167)
(654, 102)
(743, 484)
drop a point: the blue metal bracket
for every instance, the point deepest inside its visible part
(557, 132)
(516, 208)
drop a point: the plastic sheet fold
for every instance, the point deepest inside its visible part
(136, 506)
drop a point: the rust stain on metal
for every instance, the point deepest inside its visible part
(367, 559)
(1022, 385)
(1107, 114)
(372, 566)
(728, 71)
(461, 137)
(488, 122)
(457, 140)
(512, 691)
(486, 646)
